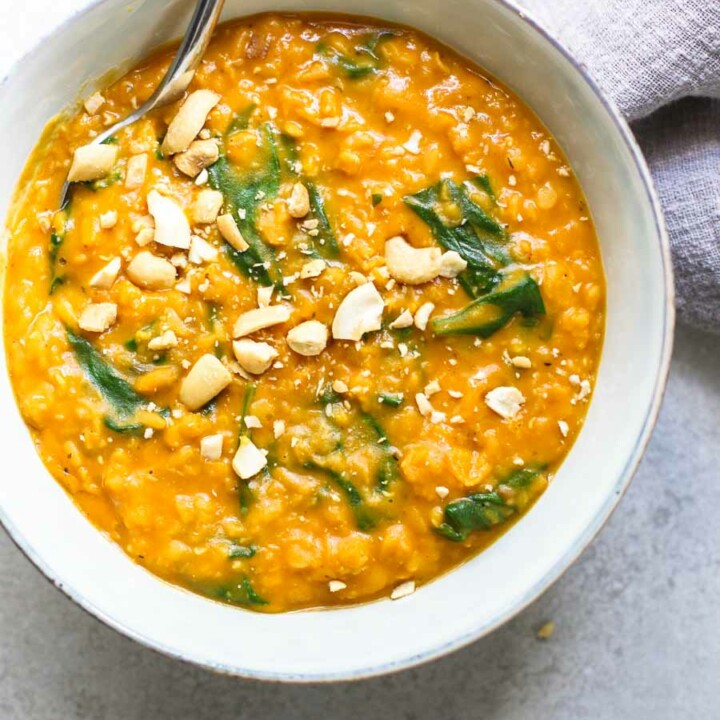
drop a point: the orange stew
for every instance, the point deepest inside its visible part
(315, 333)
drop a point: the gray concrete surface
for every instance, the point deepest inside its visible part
(638, 620)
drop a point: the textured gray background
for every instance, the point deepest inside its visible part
(638, 617)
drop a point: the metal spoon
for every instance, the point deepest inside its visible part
(178, 76)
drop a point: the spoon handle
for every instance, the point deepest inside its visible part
(181, 71)
(189, 54)
(179, 74)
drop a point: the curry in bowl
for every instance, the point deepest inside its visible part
(317, 332)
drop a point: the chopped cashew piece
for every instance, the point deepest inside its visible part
(410, 265)
(451, 264)
(254, 357)
(312, 269)
(403, 320)
(264, 296)
(358, 278)
(179, 260)
(94, 103)
(520, 361)
(298, 203)
(201, 251)
(108, 219)
(184, 286)
(423, 404)
(207, 377)
(142, 222)
(200, 154)
(308, 338)
(188, 121)
(97, 317)
(163, 342)
(229, 230)
(145, 236)
(211, 447)
(206, 206)
(505, 401)
(135, 171)
(107, 275)
(172, 228)
(259, 319)
(422, 315)
(248, 460)
(413, 143)
(432, 388)
(92, 162)
(339, 386)
(151, 272)
(359, 312)
(403, 590)
(278, 428)
(414, 266)
(336, 586)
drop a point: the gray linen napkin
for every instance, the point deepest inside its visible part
(656, 58)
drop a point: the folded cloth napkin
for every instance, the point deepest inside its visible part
(660, 61)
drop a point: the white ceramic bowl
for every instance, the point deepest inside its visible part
(469, 602)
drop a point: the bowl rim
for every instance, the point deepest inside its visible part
(571, 555)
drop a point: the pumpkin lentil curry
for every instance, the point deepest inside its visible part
(318, 331)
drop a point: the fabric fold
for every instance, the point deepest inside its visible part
(643, 53)
(682, 146)
(660, 62)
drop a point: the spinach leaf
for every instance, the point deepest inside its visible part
(247, 193)
(245, 494)
(250, 390)
(245, 497)
(476, 237)
(130, 428)
(365, 59)
(114, 388)
(518, 293)
(240, 594)
(56, 241)
(391, 399)
(241, 121)
(211, 315)
(373, 42)
(483, 183)
(209, 408)
(104, 182)
(289, 155)
(325, 242)
(328, 396)
(483, 511)
(368, 430)
(363, 517)
(241, 551)
(387, 470)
